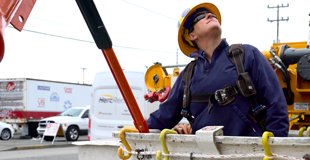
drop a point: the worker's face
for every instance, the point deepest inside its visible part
(208, 25)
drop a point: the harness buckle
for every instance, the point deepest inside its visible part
(185, 113)
(221, 96)
(188, 115)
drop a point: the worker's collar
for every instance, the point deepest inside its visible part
(201, 53)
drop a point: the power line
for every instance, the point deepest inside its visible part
(80, 40)
(53, 22)
(150, 10)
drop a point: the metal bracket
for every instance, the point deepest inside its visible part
(205, 139)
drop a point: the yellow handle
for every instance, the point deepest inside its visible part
(158, 155)
(120, 154)
(265, 137)
(163, 141)
(301, 130)
(122, 137)
(308, 131)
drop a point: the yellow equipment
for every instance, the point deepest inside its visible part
(158, 81)
(292, 66)
(157, 77)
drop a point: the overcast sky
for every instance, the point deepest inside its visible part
(149, 26)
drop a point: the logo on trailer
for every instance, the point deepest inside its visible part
(41, 102)
(10, 87)
(44, 88)
(68, 90)
(105, 98)
(54, 97)
(5, 113)
(67, 104)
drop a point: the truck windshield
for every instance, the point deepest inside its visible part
(71, 112)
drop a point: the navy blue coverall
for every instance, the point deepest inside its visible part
(209, 77)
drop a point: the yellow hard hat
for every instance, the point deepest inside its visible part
(184, 23)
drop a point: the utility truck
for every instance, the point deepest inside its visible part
(108, 111)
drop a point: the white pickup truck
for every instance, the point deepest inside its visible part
(74, 122)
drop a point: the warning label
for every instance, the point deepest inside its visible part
(301, 106)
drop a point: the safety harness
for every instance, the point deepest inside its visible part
(226, 95)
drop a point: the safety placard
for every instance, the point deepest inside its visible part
(51, 129)
(301, 106)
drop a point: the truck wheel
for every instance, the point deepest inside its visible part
(5, 134)
(72, 133)
(48, 138)
(32, 130)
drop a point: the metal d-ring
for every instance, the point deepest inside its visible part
(191, 156)
(138, 155)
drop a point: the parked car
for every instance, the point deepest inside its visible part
(6, 131)
(74, 122)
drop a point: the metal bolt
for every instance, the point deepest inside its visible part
(155, 78)
(299, 71)
(299, 62)
(250, 87)
(140, 126)
(306, 56)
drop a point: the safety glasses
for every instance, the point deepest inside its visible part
(198, 18)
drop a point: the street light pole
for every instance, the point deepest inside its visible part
(83, 73)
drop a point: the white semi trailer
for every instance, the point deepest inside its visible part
(25, 101)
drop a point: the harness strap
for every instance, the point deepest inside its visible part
(244, 83)
(186, 77)
(230, 91)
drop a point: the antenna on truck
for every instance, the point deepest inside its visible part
(308, 43)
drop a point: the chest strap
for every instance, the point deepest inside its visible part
(221, 96)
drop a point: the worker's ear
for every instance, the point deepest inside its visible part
(192, 36)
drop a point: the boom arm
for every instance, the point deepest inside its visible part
(104, 43)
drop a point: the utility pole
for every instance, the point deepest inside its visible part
(278, 19)
(83, 73)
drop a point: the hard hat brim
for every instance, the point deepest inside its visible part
(185, 48)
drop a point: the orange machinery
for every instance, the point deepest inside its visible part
(15, 12)
(292, 66)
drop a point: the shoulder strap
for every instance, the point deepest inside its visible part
(236, 56)
(186, 77)
(244, 83)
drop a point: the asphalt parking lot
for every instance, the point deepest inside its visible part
(16, 143)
